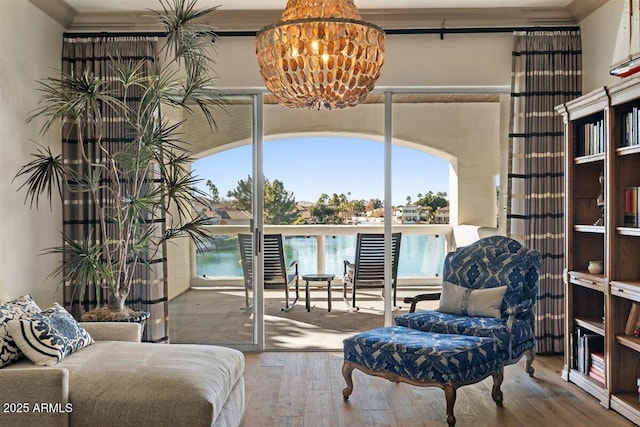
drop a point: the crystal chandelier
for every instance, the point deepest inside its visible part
(320, 54)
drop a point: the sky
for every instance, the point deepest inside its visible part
(309, 167)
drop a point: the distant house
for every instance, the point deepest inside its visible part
(234, 217)
(376, 213)
(407, 214)
(304, 211)
(442, 215)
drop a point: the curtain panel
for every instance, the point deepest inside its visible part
(80, 220)
(546, 72)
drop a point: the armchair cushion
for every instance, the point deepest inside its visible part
(49, 336)
(12, 310)
(471, 302)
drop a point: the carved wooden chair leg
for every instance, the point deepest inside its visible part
(530, 354)
(347, 369)
(450, 396)
(496, 393)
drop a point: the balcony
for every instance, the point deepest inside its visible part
(422, 251)
(211, 310)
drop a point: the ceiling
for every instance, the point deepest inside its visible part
(251, 15)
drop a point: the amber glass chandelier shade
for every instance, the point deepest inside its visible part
(320, 54)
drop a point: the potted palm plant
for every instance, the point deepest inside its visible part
(134, 182)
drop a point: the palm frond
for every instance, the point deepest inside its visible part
(44, 175)
(83, 263)
(195, 229)
(76, 98)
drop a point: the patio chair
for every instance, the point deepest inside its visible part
(276, 273)
(368, 269)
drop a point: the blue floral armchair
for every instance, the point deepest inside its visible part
(491, 262)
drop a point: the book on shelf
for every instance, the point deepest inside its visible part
(597, 375)
(579, 346)
(631, 211)
(593, 343)
(591, 137)
(589, 351)
(597, 361)
(629, 128)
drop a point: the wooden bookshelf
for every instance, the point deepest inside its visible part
(605, 304)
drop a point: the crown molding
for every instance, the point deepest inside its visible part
(241, 20)
(58, 10)
(254, 20)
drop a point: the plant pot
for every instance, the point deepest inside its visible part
(104, 314)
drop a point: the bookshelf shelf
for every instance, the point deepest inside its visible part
(587, 280)
(626, 403)
(628, 231)
(602, 186)
(593, 324)
(629, 341)
(626, 151)
(582, 228)
(589, 159)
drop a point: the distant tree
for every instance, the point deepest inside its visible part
(408, 200)
(241, 196)
(358, 206)
(279, 204)
(435, 201)
(431, 202)
(323, 199)
(373, 204)
(322, 211)
(213, 191)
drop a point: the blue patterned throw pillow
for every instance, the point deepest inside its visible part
(13, 310)
(49, 336)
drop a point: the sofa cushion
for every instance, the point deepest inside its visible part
(471, 302)
(49, 336)
(143, 384)
(12, 310)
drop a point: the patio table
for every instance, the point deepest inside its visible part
(317, 278)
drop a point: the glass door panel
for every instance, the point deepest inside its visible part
(324, 183)
(420, 176)
(219, 306)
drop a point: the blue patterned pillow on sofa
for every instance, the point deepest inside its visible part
(12, 310)
(49, 336)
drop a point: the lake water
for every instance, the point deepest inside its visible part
(420, 256)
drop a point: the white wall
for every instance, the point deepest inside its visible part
(599, 31)
(30, 49)
(410, 60)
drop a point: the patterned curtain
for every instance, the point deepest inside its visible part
(148, 291)
(547, 71)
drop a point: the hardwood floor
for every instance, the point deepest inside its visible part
(300, 389)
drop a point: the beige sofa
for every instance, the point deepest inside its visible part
(118, 381)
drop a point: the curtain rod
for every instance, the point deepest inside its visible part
(402, 31)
